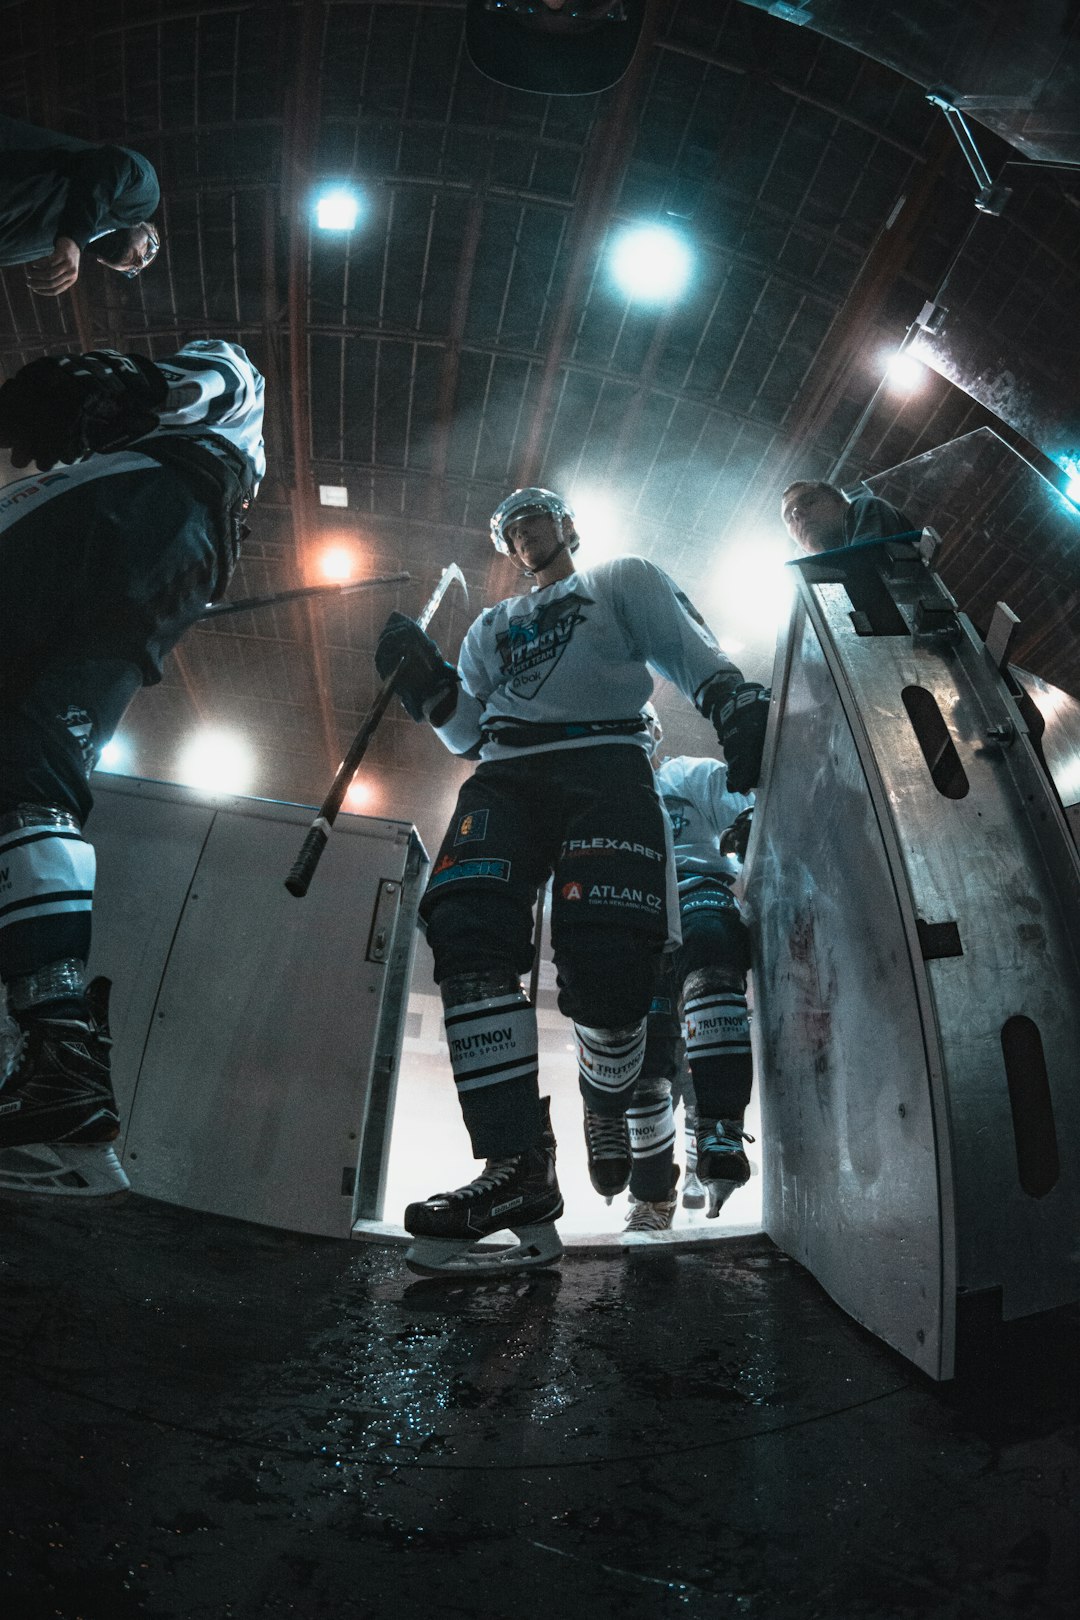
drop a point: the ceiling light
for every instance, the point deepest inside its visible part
(337, 564)
(596, 518)
(651, 263)
(114, 756)
(337, 209)
(359, 796)
(750, 588)
(1070, 466)
(333, 495)
(217, 761)
(904, 372)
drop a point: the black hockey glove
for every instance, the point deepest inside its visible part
(66, 406)
(740, 725)
(734, 839)
(427, 684)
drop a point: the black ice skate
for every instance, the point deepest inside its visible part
(607, 1146)
(519, 1193)
(722, 1165)
(58, 1115)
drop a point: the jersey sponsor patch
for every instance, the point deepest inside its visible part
(451, 870)
(533, 643)
(597, 846)
(572, 891)
(471, 828)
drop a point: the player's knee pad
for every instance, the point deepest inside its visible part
(609, 1064)
(606, 980)
(46, 889)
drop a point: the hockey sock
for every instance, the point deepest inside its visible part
(716, 1028)
(492, 1041)
(46, 895)
(652, 1148)
(609, 1063)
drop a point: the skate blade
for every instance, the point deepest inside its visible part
(719, 1192)
(55, 1170)
(464, 1257)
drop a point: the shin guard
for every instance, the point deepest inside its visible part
(609, 1063)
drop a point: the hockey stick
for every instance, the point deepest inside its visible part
(247, 604)
(303, 868)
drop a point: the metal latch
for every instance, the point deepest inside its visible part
(382, 923)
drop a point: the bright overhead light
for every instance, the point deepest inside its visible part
(337, 209)
(651, 263)
(217, 761)
(1070, 466)
(114, 756)
(904, 372)
(337, 564)
(359, 796)
(333, 495)
(750, 588)
(596, 518)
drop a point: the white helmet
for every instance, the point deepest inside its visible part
(523, 503)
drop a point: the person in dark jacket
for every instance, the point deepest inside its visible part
(60, 195)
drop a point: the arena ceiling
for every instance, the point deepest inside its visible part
(466, 338)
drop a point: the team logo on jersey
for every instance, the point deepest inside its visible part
(572, 891)
(451, 871)
(532, 643)
(678, 818)
(472, 828)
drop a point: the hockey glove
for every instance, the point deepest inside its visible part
(740, 726)
(427, 685)
(734, 839)
(67, 406)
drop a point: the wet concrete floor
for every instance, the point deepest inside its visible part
(203, 1418)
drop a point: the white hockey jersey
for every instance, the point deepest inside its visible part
(212, 384)
(700, 807)
(578, 651)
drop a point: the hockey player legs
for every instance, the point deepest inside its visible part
(103, 565)
(593, 821)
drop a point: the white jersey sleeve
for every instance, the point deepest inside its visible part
(212, 384)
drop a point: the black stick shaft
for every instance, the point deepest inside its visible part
(303, 868)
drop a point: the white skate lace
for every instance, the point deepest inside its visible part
(607, 1135)
(494, 1174)
(655, 1217)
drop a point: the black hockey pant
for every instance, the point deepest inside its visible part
(591, 820)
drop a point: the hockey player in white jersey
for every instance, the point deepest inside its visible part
(107, 554)
(702, 995)
(549, 693)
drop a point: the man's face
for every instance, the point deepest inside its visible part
(814, 517)
(534, 538)
(140, 251)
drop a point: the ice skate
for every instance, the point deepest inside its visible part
(58, 1115)
(646, 1217)
(519, 1193)
(722, 1164)
(607, 1145)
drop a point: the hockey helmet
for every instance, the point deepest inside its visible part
(525, 503)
